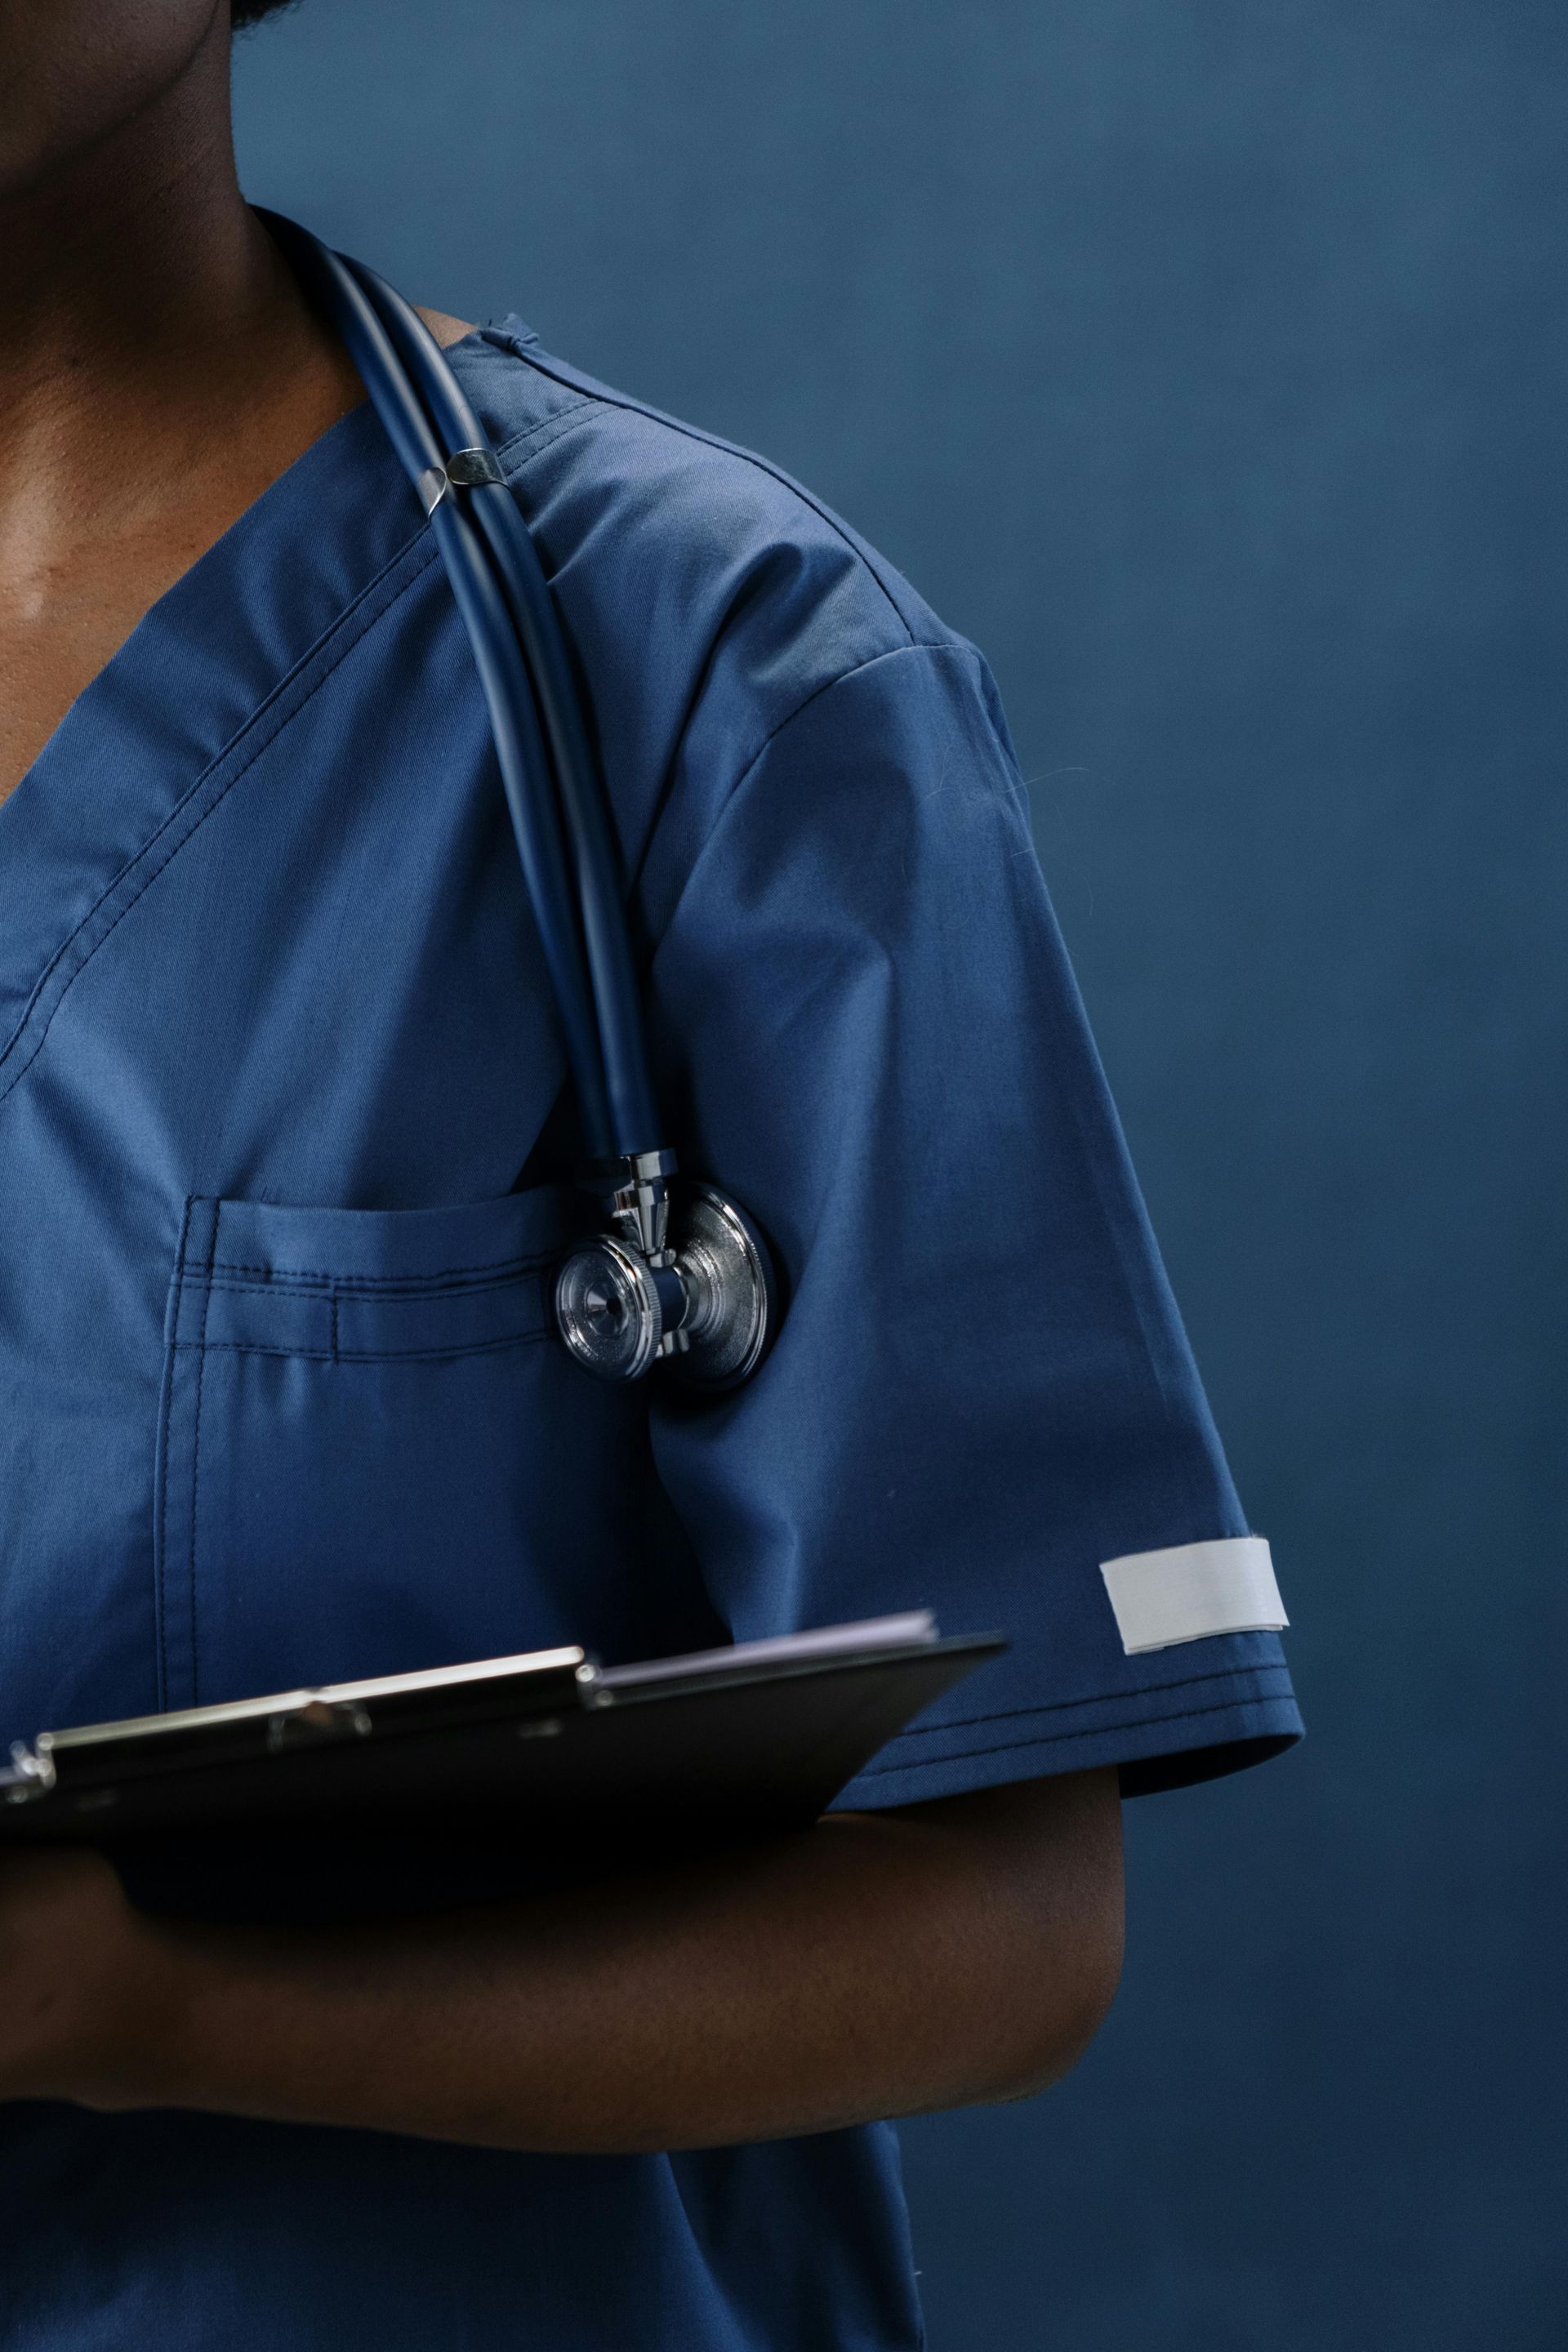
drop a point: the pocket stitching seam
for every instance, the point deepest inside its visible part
(166, 1413)
(195, 1454)
(349, 1281)
(205, 1347)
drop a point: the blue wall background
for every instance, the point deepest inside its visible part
(1205, 361)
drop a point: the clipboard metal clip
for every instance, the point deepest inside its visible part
(34, 1770)
(316, 1721)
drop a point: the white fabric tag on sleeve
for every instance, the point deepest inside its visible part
(1193, 1590)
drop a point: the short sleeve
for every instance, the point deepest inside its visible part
(981, 1396)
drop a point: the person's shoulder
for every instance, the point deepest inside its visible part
(714, 526)
(712, 602)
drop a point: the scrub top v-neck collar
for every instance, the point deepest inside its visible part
(121, 781)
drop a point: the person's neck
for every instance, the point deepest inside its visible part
(159, 368)
(146, 314)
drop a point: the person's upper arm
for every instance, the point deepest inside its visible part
(981, 1393)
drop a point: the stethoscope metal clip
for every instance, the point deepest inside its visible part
(679, 1275)
(465, 469)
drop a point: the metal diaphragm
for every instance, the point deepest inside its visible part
(608, 1310)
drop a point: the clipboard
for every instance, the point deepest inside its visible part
(477, 1782)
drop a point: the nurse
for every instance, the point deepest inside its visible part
(285, 1144)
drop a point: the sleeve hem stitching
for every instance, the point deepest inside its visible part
(1098, 1698)
(1050, 1738)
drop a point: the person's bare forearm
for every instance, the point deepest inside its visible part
(878, 1965)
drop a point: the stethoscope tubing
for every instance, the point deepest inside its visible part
(611, 976)
(504, 678)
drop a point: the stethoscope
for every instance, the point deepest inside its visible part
(681, 1275)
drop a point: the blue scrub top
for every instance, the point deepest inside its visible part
(282, 1138)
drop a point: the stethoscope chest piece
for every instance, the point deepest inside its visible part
(702, 1303)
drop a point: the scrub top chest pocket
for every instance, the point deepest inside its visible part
(364, 1438)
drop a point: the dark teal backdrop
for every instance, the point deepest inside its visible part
(1205, 361)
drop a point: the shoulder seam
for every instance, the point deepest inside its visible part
(603, 398)
(531, 440)
(744, 774)
(842, 678)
